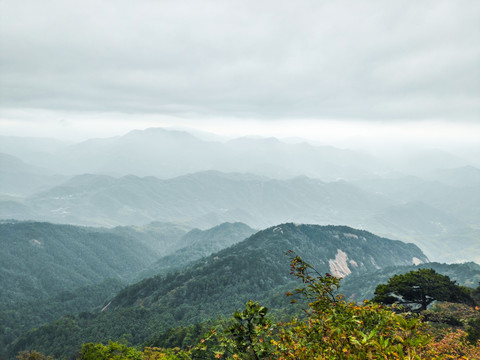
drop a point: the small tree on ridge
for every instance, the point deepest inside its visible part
(421, 287)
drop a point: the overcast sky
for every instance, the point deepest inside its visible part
(319, 69)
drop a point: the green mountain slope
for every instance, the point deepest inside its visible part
(20, 317)
(255, 268)
(41, 259)
(51, 270)
(259, 261)
(199, 243)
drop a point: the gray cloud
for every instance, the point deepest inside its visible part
(270, 59)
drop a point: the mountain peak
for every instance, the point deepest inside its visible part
(159, 131)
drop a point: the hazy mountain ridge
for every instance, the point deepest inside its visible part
(464, 176)
(168, 153)
(161, 237)
(416, 210)
(458, 197)
(39, 151)
(102, 200)
(18, 178)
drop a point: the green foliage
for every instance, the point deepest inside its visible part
(112, 351)
(165, 354)
(24, 316)
(476, 295)
(337, 329)
(421, 287)
(184, 336)
(331, 329)
(473, 330)
(248, 335)
(32, 355)
(473, 325)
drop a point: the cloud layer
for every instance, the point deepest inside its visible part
(367, 60)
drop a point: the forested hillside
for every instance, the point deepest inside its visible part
(20, 317)
(51, 270)
(255, 268)
(42, 259)
(199, 243)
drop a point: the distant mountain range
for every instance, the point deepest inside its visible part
(209, 198)
(169, 153)
(20, 178)
(173, 176)
(201, 199)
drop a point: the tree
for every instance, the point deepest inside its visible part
(247, 330)
(421, 287)
(32, 355)
(112, 351)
